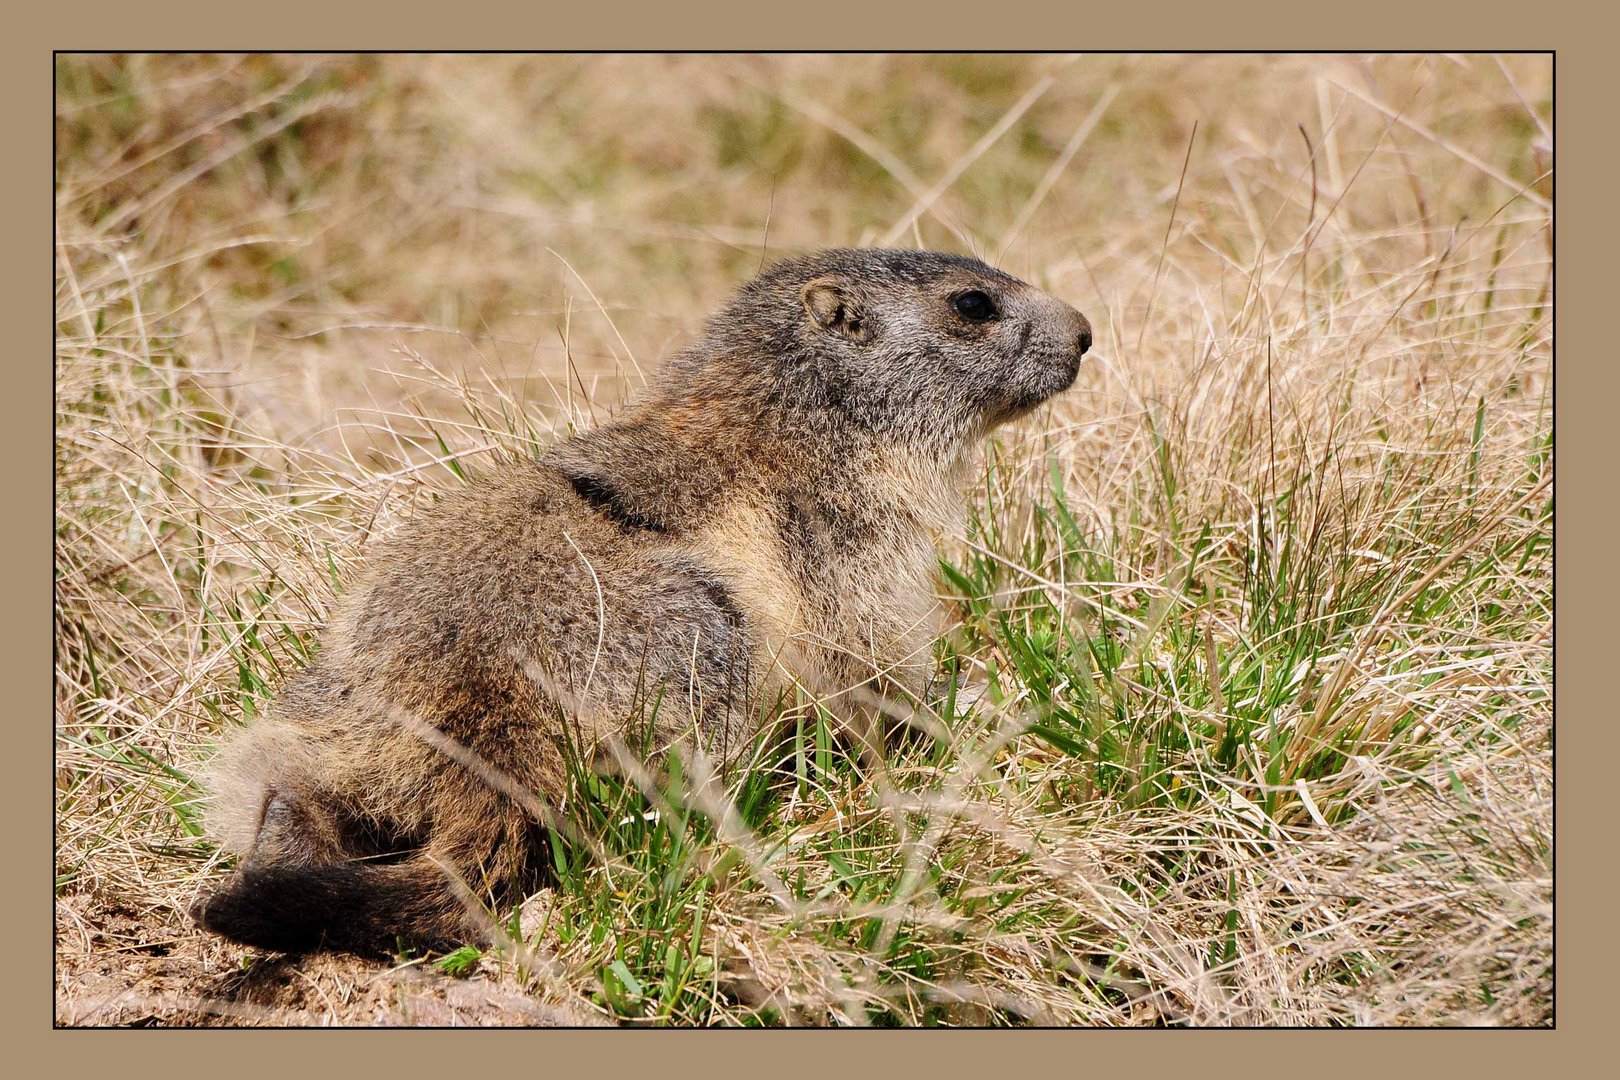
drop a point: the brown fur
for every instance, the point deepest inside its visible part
(766, 517)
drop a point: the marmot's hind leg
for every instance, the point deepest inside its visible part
(302, 888)
(360, 907)
(296, 831)
(297, 837)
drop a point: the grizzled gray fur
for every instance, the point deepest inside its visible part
(763, 522)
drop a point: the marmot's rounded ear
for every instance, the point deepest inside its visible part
(836, 306)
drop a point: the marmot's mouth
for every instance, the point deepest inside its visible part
(1053, 377)
(1044, 377)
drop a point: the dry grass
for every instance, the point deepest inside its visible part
(1265, 601)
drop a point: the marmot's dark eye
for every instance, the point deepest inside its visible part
(975, 306)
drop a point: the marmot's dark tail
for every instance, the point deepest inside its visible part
(348, 907)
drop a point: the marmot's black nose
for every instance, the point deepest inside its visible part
(1085, 340)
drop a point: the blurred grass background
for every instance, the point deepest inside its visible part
(313, 193)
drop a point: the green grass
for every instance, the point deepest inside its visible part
(1130, 698)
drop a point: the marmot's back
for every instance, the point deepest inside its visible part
(523, 570)
(512, 602)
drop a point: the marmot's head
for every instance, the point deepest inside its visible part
(927, 347)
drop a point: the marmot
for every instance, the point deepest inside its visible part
(766, 515)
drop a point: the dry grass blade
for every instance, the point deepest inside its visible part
(1456, 151)
(963, 163)
(1044, 188)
